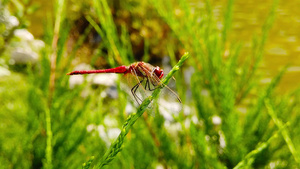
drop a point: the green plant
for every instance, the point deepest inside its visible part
(229, 119)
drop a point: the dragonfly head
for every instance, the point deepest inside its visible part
(158, 72)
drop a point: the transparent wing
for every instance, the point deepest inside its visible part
(140, 88)
(169, 102)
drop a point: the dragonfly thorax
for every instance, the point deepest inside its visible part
(158, 72)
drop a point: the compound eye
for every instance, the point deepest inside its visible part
(159, 72)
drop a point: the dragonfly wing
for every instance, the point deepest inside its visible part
(136, 88)
(169, 101)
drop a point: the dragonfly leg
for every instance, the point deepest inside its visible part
(147, 85)
(133, 91)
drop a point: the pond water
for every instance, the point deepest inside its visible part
(283, 45)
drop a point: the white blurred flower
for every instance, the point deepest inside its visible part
(103, 94)
(37, 45)
(105, 79)
(167, 116)
(107, 135)
(91, 127)
(129, 108)
(113, 133)
(207, 138)
(173, 128)
(187, 122)
(4, 71)
(195, 119)
(21, 55)
(186, 110)
(169, 109)
(75, 80)
(103, 135)
(23, 34)
(110, 121)
(7, 19)
(222, 140)
(13, 21)
(26, 49)
(159, 166)
(216, 120)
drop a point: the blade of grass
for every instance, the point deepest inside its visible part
(109, 28)
(49, 140)
(115, 147)
(285, 134)
(249, 158)
(252, 125)
(59, 18)
(87, 164)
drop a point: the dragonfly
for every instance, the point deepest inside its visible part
(147, 77)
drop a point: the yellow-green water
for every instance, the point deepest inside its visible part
(282, 46)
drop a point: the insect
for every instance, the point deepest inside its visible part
(145, 75)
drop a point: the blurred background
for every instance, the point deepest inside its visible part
(239, 88)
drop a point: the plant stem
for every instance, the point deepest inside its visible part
(49, 140)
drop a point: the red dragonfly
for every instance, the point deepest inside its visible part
(141, 71)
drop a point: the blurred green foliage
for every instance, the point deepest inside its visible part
(232, 121)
